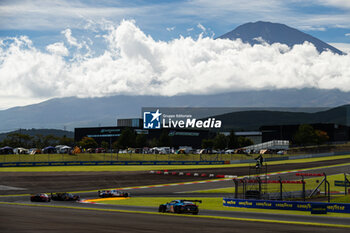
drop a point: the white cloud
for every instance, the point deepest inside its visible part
(136, 64)
(200, 26)
(347, 34)
(70, 39)
(58, 48)
(312, 28)
(169, 29)
(335, 3)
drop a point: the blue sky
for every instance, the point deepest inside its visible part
(43, 21)
(62, 48)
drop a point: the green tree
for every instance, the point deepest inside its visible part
(126, 139)
(153, 142)
(220, 142)
(232, 140)
(105, 145)
(50, 140)
(17, 140)
(141, 140)
(66, 141)
(88, 142)
(164, 139)
(243, 142)
(115, 145)
(207, 144)
(305, 135)
(38, 141)
(321, 137)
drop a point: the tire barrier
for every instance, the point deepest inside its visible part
(309, 174)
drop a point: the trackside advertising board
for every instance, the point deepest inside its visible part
(100, 163)
(285, 205)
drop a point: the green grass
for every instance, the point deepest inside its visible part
(208, 203)
(341, 199)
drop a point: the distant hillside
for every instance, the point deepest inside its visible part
(252, 33)
(75, 112)
(44, 132)
(253, 120)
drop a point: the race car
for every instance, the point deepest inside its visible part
(113, 193)
(40, 197)
(65, 197)
(180, 207)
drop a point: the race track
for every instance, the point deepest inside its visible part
(62, 216)
(36, 219)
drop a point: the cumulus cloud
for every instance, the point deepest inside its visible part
(134, 63)
(58, 49)
(70, 39)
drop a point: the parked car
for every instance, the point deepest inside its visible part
(100, 150)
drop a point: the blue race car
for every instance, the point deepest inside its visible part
(180, 207)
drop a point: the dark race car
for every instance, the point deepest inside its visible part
(180, 207)
(113, 193)
(64, 197)
(40, 197)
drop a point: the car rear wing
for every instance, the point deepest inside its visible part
(199, 201)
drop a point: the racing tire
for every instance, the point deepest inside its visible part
(177, 209)
(161, 209)
(195, 213)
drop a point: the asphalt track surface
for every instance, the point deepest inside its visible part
(36, 219)
(26, 218)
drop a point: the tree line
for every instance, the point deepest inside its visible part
(306, 135)
(17, 139)
(128, 139)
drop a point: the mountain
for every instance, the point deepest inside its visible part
(43, 132)
(252, 33)
(253, 120)
(72, 112)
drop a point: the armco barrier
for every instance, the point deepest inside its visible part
(284, 205)
(101, 163)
